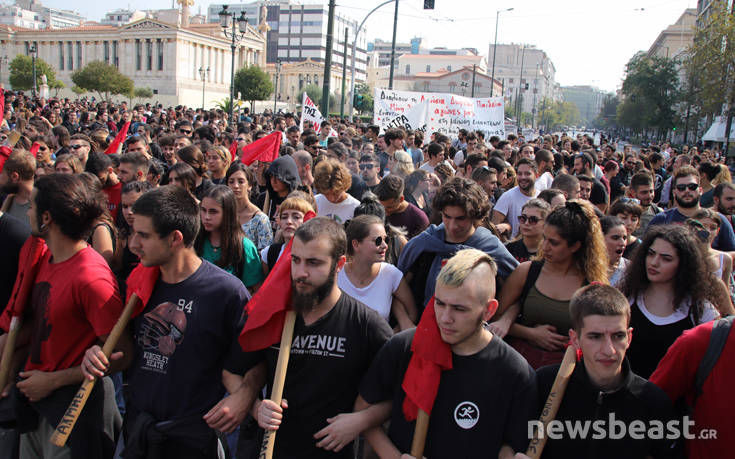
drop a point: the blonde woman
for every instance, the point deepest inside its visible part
(218, 160)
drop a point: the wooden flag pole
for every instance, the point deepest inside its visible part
(419, 434)
(553, 402)
(279, 380)
(66, 425)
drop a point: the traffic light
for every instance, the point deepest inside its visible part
(428, 4)
(674, 129)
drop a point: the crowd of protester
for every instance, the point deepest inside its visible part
(512, 248)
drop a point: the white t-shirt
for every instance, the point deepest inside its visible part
(510, 204)
(544, 182)
(709, 313)
(340, 212)
(378, 295)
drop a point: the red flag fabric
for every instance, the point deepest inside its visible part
(119, 139)
(264, 149)
(266, 310)
(142, 280)
(34, 148)
(431, 356)
(233, 150)
(2, 105)
(5, 152)
(31, 256)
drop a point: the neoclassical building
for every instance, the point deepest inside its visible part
(294, 77)
(162, 56)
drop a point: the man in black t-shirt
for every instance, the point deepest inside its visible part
(335, 339)
(484, 402)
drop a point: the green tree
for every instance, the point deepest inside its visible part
(143, 93)
(555, 114)
(253, 84)
(651, 90)
(21, 72)
(607, 117)
(77, 90)
(363, 102)
(56, 85)
(104, 79)
(314, 92)
(224, 105)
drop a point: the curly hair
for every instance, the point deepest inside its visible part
(330, 174)
(463, 193)
(692, 276)
(576, 222)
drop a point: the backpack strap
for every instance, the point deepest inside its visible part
(533, 272)
(273, 252)
(718, 338)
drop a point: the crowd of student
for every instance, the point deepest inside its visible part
(507, 250)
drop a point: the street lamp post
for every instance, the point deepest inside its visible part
(239, 27)
(32, 49)
(275, 90)
(204, 73)
(495, 48)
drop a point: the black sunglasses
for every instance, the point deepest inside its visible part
(532, 220)
(77, 147)
(690, 186)
(184, 131)
(380, 239)
(367, 166)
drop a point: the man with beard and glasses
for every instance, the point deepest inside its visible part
(16, 181)
(724, 199)
(686, 192)
(508, 207)
(334, 341)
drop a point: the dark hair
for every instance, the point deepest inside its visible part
(465, 194)
(324, 226)
(413, 179)
(184, 174)
(474, 159)
(231, 233)
(193, 156)
(608, 222)
(597, 300)
(692, 275)
(391, 187)
(240, 167)
(544, 155)
(72, 205)
(527, 162)
(339, 149)
(625, 206)
(393, 134)
(136, 187)
(138, 160)
(549, 194)
(359, 228)
(565, 182)
(369, 205)
(170, 208)
(434, 149)
(719, 189)
(641, 178)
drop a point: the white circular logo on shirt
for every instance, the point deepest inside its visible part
(466, 415)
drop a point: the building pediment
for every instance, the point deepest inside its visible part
(147, 24)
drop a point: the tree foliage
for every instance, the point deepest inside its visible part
(555, 114)
(21, 72)
(104, 79)
(651, 89)
(607, 118)
(143, 93)
(253, 84)
(363, 102)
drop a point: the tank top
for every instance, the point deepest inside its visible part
(539, 309)
(651, 341)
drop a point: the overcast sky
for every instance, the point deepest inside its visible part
(589, 41)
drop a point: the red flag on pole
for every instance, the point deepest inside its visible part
(266, 310)
(264, 149)
(142, 280)
(233, 150)
(34, 148)
(119, 139)
(31, 256)
(431, 356)
(5, 152)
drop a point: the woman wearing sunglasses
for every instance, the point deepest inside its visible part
(531, 220)
(369, 279)
(705, 225)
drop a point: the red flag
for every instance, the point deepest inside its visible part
(32, 254)
(34, 148)
(2, 105)
(233, 150)
(5, 152)
(431, 356)
(141, 281)
(266, 310)
(264, 149)
(119, 139)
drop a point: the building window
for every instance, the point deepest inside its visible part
(449, 68)
(138, 55)
(70, 55)
(428, 68)
(107, 52)
(408, 69)
(148, 55)
(61, 55)
(28, 48)
(114, 54)
(79, 54)
(159, 44)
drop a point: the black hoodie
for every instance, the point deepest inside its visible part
(285, 170)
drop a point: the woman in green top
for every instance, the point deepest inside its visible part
(221, 240)
(534, 302)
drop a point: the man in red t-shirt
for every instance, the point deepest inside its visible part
(714, 426)
(74, 304)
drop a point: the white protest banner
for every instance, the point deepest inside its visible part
(445, 113)
(310, 113)
(413, 119)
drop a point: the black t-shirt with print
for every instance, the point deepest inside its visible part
(519, 251)
(483, 402)
(328, 360)
(184, 338)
